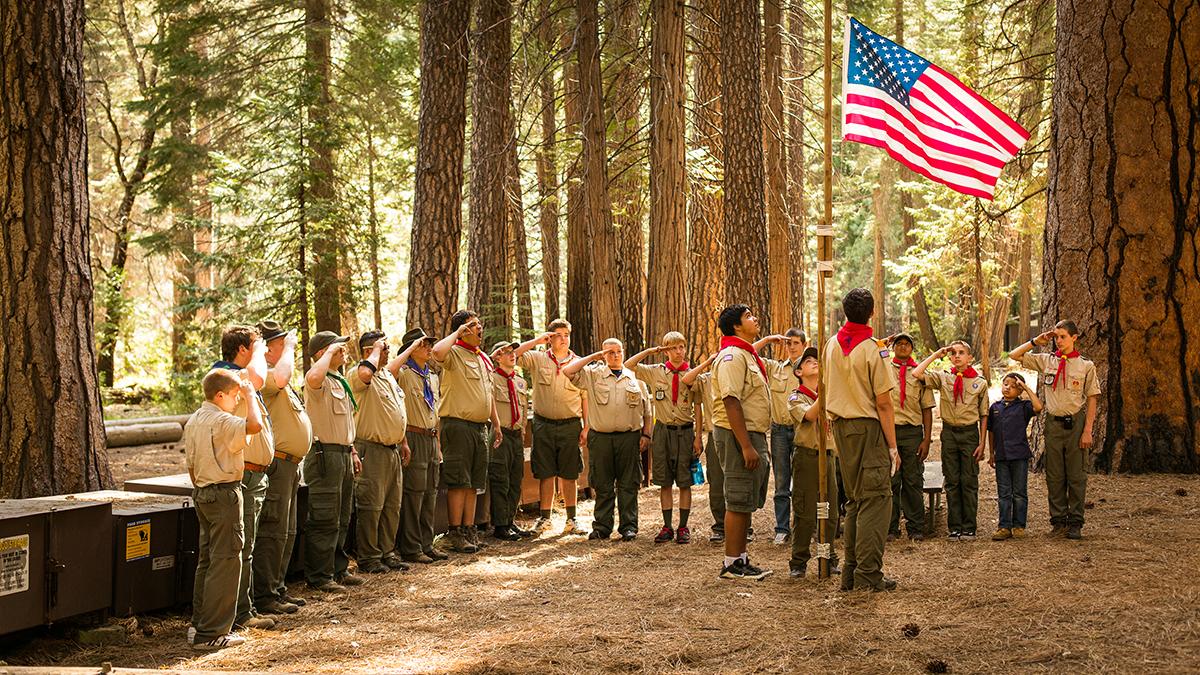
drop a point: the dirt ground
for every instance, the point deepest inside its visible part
(1124, 599)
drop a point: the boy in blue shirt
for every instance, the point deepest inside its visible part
(1009, 453)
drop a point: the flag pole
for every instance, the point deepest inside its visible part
(824, 271)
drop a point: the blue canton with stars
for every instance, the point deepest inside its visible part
(875, 61)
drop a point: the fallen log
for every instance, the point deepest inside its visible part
(143, 434)
(178, 419)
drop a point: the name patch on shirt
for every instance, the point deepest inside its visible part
(728, 357)
(883, 353)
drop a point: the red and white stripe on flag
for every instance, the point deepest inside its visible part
(922, 115)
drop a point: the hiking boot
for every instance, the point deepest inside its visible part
(573, 527)
(523, 534)
(628, 535)
(506, 534)
(884, 586)
(457, 540)
(373, 567)
(436, 554)
(968, 536)
(542, 524)
(1058, 531)
(716, 537)
(683, 535)
(893, 536)
(328, 587)
(664, 535)
(420, 558)
(191, 635)
(916, 537)
(472, 535)
(394, 562)
(596, 535)
(348, 579)
(1018, 533)
(277, 607)
(222, 642)
(954, 536)
(293, 600)
(1075, 532)
(254, 621)
(1002, 534)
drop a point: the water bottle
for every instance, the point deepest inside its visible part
(697, 472)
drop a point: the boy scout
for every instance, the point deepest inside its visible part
(964, 406)
(782, 380)
(858, 385)
(560, 420)
(506, 468)
(466, 408)
(675, 443)
(330, 468)
(421, 388)
(701, 382)
(214, 440)
(913, 402)
(620, 416)
(243, 349)
(802, 406)
(293, 437)
(380, 424)
(742, 416)
(1070, 381)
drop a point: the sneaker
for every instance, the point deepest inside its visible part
(456, 539)
(421, 558)
(348, 579)
(629, 535)
(1002, 534)
(968, 536)
(1059, 531)
(749, 534)
(436, 554)
(664, 535)
(916, 537)
(597, 536)
(191, 635)
(716, 537)
(254, 621)
(541, 524)
(741, 569)
(782, 538)
(683, 535)
(893, 536)
(222, 642)
(506, 534)
(277, 607)
(328, 587)
(524, 534)
(752, 572)
(1018, 533)
(293, 600)
(796, 572)
(395, 562)
(1075, 532)
(472, 535)
(954, 536)
(884, 586)
(373, 567)
(572, 527)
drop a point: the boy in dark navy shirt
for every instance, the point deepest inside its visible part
(1009, 453)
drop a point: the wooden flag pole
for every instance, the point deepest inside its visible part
(824, 271)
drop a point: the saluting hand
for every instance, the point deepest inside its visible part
(289, 340)
(544, 338)
(1044, 338)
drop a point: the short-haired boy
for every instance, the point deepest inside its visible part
(1009, 453)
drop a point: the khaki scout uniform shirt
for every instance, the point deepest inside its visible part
(331, 411)
(262, 445)
(504, 402)
(1078, 382)
(799, 404)
(466, 387)
(417, 410)
(735, 373)
(381, 417)
(703, 390)
(214, 442)
(658, 381)
(289, 421)
(615, 403)
(975, 397)
(781, 376)
(554, 396)
(917, 398)
(852, 381)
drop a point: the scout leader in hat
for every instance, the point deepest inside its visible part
(421, 387)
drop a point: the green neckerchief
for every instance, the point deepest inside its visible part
(346, 386)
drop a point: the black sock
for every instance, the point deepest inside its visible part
(546, 513)
(683, 516)
(570, 513)
(667, 517)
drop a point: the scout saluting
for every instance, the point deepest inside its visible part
(802, 408)
(914, 432)
(506, 467)
(1070, 382)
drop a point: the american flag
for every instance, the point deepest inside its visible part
(923, 116)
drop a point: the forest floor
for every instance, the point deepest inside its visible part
(1124, 599)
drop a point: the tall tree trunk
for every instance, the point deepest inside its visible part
(1121, 228)
(488, 235)
(626, 91)
(52, 432)
(667, 305)
(597, 208)
(706, 222)
(1025, 288)
(741, 100)
(547, 173)
(373, 233)
(519, 257)
(323, 230)
(780, 273)
(437, 193)
(579, 244)
(882, 206)
(184, 283)
(797, 215)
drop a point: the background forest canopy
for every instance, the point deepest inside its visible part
(258, 158)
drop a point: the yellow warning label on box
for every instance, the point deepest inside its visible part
(137, 540)
(14, 564)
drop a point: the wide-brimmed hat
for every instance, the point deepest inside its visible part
(323, 339)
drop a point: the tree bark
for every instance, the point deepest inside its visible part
(519, 257)
(547, 174)
(780, 273)
(579, 244)
(1121, 230)
(373, 233)
(52, 432)
(323, 229)
(437, 193)
(796, 204)
(882, 206)
(745, 220)
(488, 235)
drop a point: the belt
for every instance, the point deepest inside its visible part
(510, 432)
(251, 466)
(287, 458)
(394, 446)
(233, 484)
(616, 433)
(1064, 419)
(337, 447)
(678, 427)
(547, 420)
(413, 429)
(962, 427)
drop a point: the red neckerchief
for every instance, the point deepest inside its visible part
(1062, 365)
(512, 394)
(683, 368)
(851, 334)
(477, 352)
(807, 392)
(735, 341)
(904, 366)
(558, 366)
(959, 397)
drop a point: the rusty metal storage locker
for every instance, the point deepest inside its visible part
(55, 561)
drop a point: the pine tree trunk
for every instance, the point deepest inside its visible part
(547, 174)
(780, 273)
(597, 208)
(1124, 209)
(184, 282)
(373, 234)
(323, 230)
(519, 257)
(437, 192)
(626, 91)
(706, 223)
(1025, 288)
(579, 244)
(745, 221)
(52, 432)
(882, 207)
(796, 205)
(488, 235)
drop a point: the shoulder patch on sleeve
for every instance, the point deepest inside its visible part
(728, 357)
(794, 397)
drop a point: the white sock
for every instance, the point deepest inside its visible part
(729, 561)
(745, 559)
